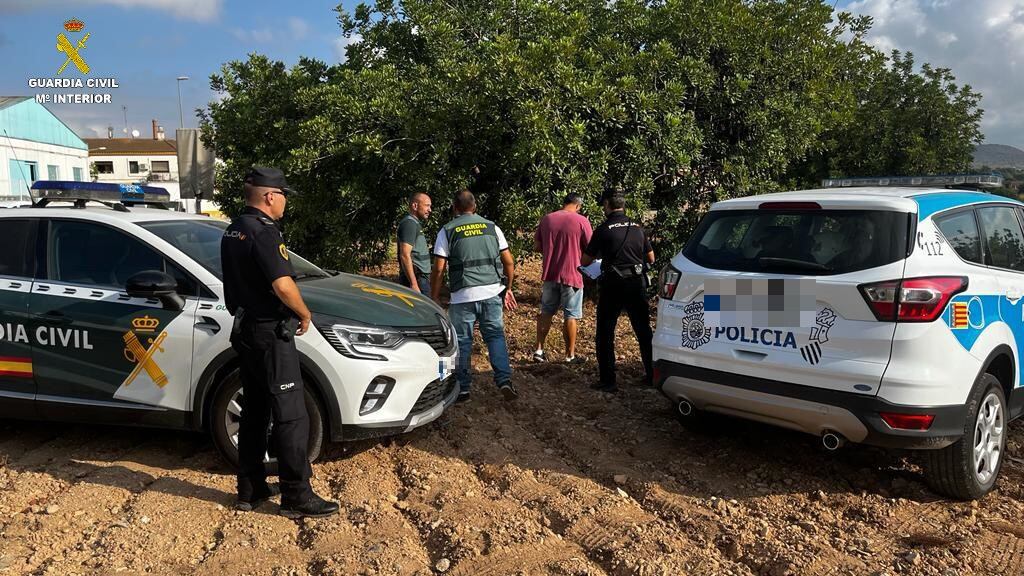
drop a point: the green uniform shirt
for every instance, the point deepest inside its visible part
(410, 232)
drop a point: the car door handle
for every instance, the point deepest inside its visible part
(207, 323)
(1013, 294)
(55, 317)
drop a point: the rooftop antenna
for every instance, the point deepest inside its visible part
(21, 167)
(124, 109)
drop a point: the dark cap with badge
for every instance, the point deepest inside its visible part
(270, 178)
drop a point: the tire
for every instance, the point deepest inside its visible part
(953, 471)
(228, 447)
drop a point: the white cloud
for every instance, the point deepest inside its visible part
(297, 29)
(259, 36)
(982, 41)
(200, 10)
(342, 42)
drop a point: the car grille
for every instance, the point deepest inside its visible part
(435, 336)
(433, 394)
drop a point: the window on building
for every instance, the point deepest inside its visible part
(78, 174)
(104, 167)
(53, 172)
(161, 166)
(133, 167)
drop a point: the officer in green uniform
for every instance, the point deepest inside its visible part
(260, 292)
(480, 270)
(413, 255)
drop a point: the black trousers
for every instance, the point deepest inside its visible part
(616, 295)
(272, 389)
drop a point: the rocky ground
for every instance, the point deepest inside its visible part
(563, 481)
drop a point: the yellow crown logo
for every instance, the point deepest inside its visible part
(145, 324)
(74, 25)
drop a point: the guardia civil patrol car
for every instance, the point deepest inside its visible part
(113, 312)
(879, 311)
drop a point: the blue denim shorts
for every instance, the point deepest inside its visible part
(554, 296)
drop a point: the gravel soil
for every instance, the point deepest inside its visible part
(562, 481)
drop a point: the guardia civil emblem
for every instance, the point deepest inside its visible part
(695, 333)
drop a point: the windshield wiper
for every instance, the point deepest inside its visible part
(766, 261)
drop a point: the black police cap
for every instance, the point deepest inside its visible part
(269, 178)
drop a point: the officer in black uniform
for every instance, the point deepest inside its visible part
(260, 292)
(625, 254)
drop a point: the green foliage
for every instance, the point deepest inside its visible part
(680, 103)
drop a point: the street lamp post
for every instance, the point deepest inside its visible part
(181, 118)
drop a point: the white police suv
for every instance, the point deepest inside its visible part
(114, 312)
(868, 311)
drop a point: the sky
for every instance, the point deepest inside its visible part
(146, 44)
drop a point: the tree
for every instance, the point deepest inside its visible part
(679, 103)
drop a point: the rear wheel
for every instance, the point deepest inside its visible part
(225, 416)
(968, 468)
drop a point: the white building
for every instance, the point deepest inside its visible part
(36, 145)
(152, 161)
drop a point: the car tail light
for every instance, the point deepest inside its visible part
(908, 421)
(668, 281)
(913, 299)
(789, 206)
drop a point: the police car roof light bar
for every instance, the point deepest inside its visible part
(114, 195)
(969, 181)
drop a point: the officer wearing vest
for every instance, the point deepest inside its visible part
(625, 254)
(260, 292)
(480, 271)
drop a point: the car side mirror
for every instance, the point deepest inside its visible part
(155, 284)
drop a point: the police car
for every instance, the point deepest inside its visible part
(878, 311)
(113, 312)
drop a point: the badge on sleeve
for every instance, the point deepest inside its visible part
(283, 251)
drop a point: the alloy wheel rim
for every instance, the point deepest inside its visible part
(233, 420)
(989, 428)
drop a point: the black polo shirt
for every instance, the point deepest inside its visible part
(619, 241)
(253, 255)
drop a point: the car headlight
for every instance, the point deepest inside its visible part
(360, 342)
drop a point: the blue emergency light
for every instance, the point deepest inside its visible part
(45, 191)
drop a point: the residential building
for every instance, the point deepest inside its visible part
(133, 160)
(36, 145)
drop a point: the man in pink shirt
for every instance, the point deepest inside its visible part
(561, 237)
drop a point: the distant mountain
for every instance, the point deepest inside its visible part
(998, 156)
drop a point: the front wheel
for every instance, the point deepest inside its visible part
(968, 468)
(225, 417)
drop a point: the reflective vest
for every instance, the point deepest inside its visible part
(473, 255)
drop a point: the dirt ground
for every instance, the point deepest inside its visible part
(563, 481)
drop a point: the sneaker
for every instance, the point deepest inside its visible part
(508, 391)
(315, 507)
(575, 360)
(602, 387)
(258, 497)
(538, 356)
(463, 397)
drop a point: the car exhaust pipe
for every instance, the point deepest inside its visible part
(685, 408)
(832, 441)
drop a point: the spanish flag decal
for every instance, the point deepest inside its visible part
(15, 366)
(959, 318)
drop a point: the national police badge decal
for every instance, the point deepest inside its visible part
(695, 333)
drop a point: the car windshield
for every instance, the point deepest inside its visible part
(809, 242)
(200, 239)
